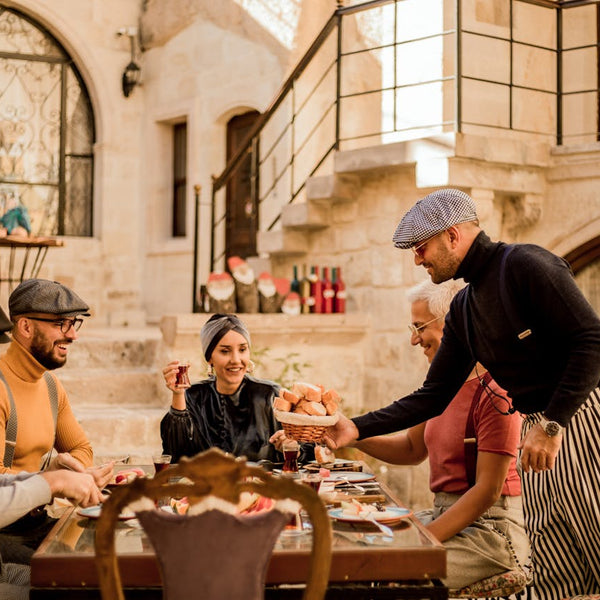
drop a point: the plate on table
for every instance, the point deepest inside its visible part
(350, 476)
(93, 512)
(390, 515)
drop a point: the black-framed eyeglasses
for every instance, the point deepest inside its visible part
(64, 324)
(418, 329)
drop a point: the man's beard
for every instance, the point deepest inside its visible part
(445, 267)
(44, 356)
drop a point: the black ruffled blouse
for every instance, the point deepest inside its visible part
(240, 424)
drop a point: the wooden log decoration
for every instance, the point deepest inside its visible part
(267, 294)
(246, 288)
(221, 293)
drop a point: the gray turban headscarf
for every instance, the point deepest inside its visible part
(216, 327)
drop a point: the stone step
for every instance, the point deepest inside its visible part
(115, 386)
(305, 216)
(340, 187)
(282, 243)
(116, 430)
(115, 347)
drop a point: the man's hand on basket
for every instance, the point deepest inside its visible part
(343, 433)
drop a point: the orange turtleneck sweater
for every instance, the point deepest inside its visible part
(35, 427)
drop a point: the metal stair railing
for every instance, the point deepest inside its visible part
(314, 112)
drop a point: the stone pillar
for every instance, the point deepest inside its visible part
(490, 218)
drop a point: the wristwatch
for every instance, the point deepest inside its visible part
(551, 428)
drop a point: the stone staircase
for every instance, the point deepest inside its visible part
(115, 386)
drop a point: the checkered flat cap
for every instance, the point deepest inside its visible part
(45, 296)
(433, 214)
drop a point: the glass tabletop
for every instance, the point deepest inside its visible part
(360, 551)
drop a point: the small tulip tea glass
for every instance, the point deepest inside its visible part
(313, 480)
(182, 378)
(291, 451)
(161, 462)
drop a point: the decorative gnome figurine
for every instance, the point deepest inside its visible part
(246, 288)
(291, 304)
(267, 294)
(221, 293)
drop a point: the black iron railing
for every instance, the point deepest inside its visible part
(374, 76)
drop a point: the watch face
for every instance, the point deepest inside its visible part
(552, 428)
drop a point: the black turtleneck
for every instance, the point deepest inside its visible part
(552, 370)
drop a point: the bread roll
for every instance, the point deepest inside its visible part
(307, 390)
(331, 407)
(315, 408)
(324, 455)
(281, 404)
(330, 395)
(292, 398)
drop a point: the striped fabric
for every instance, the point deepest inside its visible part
(14, 581)
(433, 214)
(562, 509)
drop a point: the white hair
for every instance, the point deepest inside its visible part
(437, 295)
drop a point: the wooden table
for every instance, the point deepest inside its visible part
(20, 252)
(64, 567)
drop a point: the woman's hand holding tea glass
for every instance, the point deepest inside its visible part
(177, 379)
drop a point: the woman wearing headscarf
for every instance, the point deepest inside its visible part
(230, 410)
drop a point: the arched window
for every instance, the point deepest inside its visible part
(46, 130)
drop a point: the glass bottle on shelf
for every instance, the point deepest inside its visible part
(316, 291)
(295, 283)
(328, 293)
(339, 288)
(305, 291)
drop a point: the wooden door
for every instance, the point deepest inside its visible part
(242, 211)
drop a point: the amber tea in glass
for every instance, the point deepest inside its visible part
(161, 462)
(291, 451)
(182, 378)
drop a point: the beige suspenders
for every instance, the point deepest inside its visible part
(11, 425)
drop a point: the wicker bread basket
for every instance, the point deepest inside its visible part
(304, 428)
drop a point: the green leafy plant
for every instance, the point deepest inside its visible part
(291, 367)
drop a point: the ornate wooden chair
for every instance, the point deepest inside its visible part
(212, 550)
(510, 583)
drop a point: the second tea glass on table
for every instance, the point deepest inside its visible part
(313, 480)
(161, 462)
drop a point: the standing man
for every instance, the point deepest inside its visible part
(524, 318)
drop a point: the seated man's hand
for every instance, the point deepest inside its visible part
(64, 460)
(80, 488)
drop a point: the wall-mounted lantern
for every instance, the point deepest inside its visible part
(132, 74)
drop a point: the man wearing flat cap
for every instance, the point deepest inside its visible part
(523, 317)
(35, 413)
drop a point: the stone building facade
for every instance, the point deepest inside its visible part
(203, 63)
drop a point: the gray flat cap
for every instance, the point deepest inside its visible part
(433, 214)
(45, 296)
